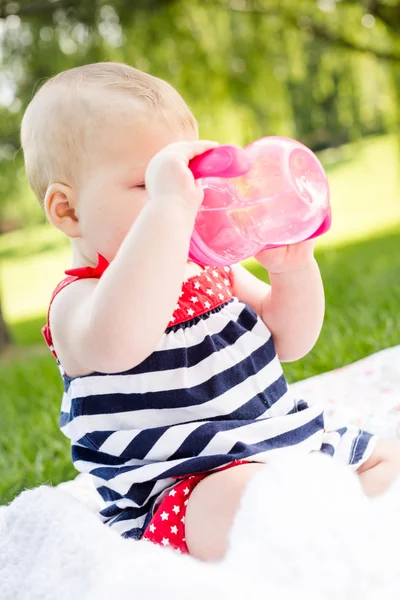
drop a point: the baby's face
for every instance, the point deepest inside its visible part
(111, 192)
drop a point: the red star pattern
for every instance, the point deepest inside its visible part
(167, 526)
(202, 293)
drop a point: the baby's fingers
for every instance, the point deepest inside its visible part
(188, 150)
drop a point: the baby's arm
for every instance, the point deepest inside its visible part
(293, 306)
(112, 324)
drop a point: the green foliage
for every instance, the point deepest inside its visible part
(247, 67)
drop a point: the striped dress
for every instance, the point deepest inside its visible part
(213, 391)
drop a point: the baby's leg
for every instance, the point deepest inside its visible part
(381, 469)
(211, 509)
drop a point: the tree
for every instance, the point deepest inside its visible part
(5, 338)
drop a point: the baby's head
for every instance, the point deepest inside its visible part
(88, 136)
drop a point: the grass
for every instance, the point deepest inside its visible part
(32, 450)
(32, 263)
(360, 264)
(365, 189)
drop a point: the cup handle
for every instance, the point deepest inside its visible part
(325, 225)
(223, 161)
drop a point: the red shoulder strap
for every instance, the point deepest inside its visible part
(46, 329)
(72, 275)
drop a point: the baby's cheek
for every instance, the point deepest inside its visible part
(112, 231)
(109, 216)
(110, 237)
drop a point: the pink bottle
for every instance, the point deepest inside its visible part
(272, 193)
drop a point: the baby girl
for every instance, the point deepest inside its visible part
(174, 395)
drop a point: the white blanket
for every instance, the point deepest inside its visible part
(365, 393)
(304, 531)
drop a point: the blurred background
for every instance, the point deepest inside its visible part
(326, 72)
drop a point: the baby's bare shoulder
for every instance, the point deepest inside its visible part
(67, 318)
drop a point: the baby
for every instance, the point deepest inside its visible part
(174, 392)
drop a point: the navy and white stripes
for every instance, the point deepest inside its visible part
(212, 392)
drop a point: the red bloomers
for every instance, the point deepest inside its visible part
(167, 527)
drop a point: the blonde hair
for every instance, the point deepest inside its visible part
(53, 126)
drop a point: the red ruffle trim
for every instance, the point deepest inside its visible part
(200, 294)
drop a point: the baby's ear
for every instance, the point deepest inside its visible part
(59, 204)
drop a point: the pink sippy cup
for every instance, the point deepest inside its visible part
(272, 193)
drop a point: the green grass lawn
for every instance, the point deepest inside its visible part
(360, 264)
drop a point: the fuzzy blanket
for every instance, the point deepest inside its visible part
(304, 531)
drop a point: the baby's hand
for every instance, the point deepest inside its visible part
(294, 257)
(168, 175)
